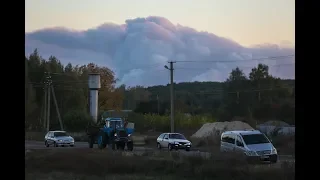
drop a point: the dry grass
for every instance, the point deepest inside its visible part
(105, 164)
(72, 176)
(285, 144)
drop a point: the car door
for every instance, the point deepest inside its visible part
(165, 140)
(160, 138)
(50, 138)
(239, 148)
(46, 136)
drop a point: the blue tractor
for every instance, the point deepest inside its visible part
(116, 132)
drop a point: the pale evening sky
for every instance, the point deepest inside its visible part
(247, 22)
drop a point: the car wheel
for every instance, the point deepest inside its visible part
(187, 149)
(274, 160)
(158, 146)
(55, 144)
(169, 147)
(71, 145)
(46, 144)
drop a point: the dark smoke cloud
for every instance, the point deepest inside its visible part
(138, 50)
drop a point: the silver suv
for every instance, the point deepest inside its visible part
(58, 138)
(252, 143)
(173, 141)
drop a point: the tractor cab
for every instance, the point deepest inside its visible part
(114, 123)
(117, 126)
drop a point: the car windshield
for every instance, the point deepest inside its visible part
(176, 136)
(59, 134)
(255, 139)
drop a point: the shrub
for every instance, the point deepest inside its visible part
(153, 122)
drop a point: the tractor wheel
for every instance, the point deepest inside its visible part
(130, 146)
(91, 141)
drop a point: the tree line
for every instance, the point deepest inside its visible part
(255, 97)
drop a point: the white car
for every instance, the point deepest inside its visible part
(173, 141)
(58, 138)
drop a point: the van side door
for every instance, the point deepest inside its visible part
(232, 140)
(227, 142)
(224, 143)
(239, 148)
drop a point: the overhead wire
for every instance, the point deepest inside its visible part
(241, 67)
(244, 60)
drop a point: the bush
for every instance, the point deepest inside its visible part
(153, 122)
(76, 120)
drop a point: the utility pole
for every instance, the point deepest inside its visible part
(171, 95)
(158, 104)
(49, 81)
(55, 102)
(45, 106)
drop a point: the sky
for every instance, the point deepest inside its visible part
(247, 22)
(136, 38)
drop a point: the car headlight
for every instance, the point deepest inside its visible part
(176, 142)
(251, 153)
(115, 134)
(59, 140)
(189, 143)
(129, 135)
(71, 140)
(274, 151)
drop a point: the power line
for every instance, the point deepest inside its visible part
(258, 59)
(277, 65)
(243, 91)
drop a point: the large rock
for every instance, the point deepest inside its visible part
(215, 130)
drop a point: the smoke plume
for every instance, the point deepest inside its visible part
(138, 50)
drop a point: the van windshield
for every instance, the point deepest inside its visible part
(255, 139)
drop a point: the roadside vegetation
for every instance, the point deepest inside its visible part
(257, 97)
(101, 164)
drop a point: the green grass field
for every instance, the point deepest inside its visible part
(105, 164)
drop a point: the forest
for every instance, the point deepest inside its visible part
(253, 98)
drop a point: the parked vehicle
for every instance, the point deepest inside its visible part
(58, 138)
(173, 141)
(115, 131)
(252, 143)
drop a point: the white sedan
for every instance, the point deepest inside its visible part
(173, 141)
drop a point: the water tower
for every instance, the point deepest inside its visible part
(94, 86)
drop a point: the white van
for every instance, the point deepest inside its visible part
(252, 143)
